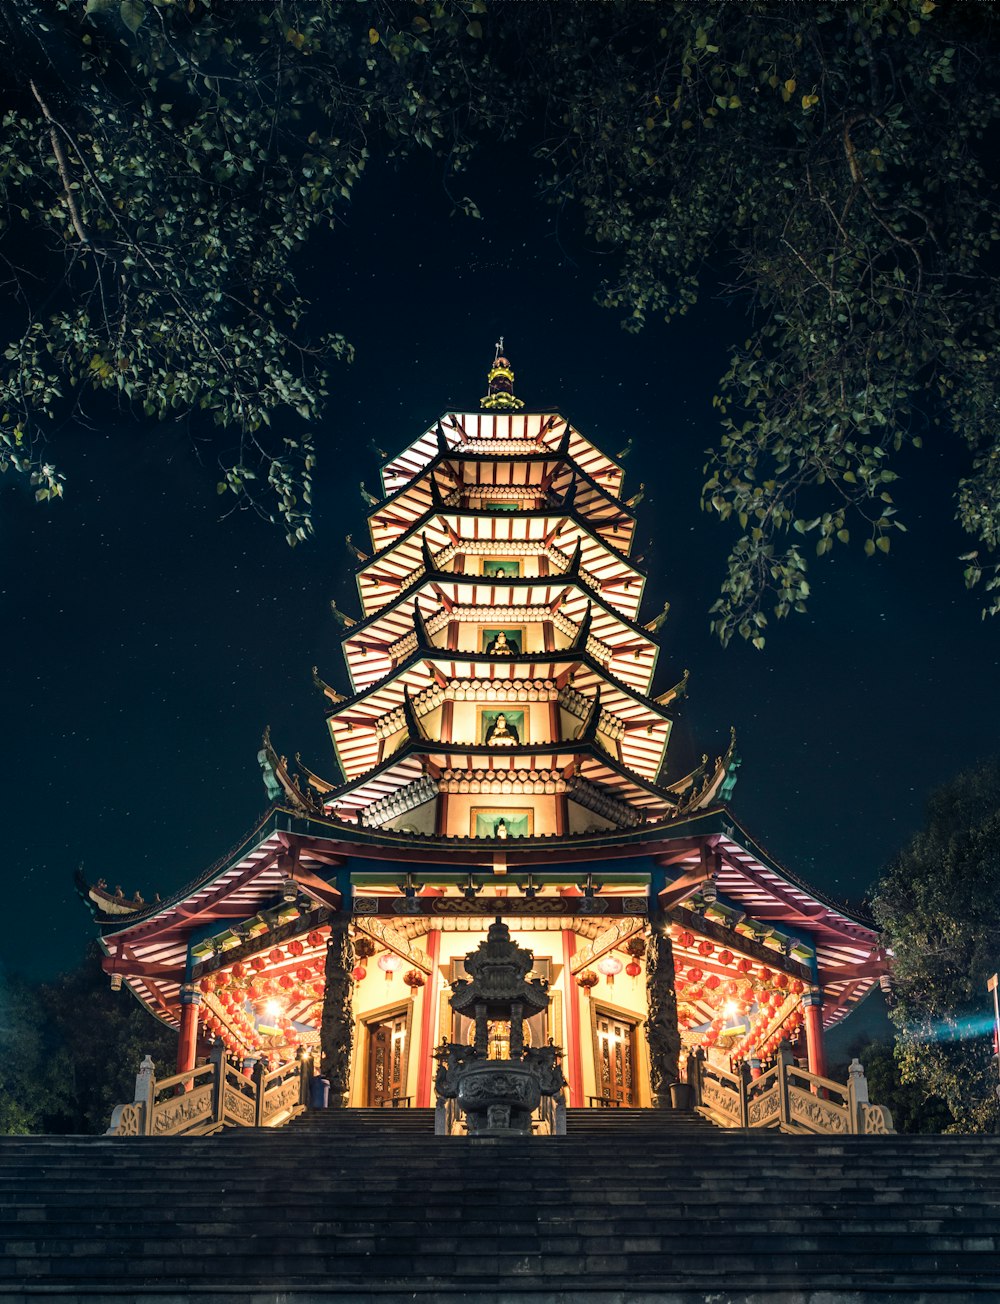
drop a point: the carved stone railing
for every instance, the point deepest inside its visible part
(210, 1097)
(788, 1098)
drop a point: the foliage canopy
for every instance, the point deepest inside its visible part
(937, 902)
(828, 163)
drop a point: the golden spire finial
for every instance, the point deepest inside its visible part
(500, 395)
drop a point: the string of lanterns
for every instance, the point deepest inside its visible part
(228, 993)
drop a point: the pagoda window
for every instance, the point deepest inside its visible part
(502, 726)
(501, 568)
(502, 822)
(506, 641)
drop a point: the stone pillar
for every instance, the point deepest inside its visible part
(661, 1024)
(187, 1038)
(813, 1002)
(337, 1030)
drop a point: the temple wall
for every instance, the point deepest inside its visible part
(546, 945)
(537, 810)
(423, 819)
(581, 819)
(530, 634)
(531, 719)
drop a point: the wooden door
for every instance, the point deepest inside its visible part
(388, 1039)
(614, 1057)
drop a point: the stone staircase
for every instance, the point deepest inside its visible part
(630, 1207)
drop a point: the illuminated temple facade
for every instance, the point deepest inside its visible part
(501, 753)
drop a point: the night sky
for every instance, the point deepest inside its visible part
(148, 641)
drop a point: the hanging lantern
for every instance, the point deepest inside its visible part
(636, 947)
(713, 981)
(258, 963)
(745, 965)
(276, 955)
(781, 981)
(705, 948)
(388, 962)
(206, 985)
(364, 948)
(695, 974)
(685, 938)
(725, 957)
(798, 987)
(285, 982)
(610, 965)
(633, 968)
(414, 979)
(238, 970)
(314, 938)
(587, 980)
(765, 974)
(295, 948)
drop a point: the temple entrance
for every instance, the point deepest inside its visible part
(614, 1058)
(388, 1038)
(410, 952)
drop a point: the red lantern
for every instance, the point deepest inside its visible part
(295, 948)
(587, 980)
(686, 938)
(725, 957)
(414, 979)
(314, 938)
(781, 981)
(238, 970)
(798, 987)
(705, 948)
(359, 972)
(633, 968)
(285, 982)
(276, 955)
(678, 965)
(303, 974)
(206, 985)
(745, 965)
(713, 981)
(765, 974)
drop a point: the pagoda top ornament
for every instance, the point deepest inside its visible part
(500, 396)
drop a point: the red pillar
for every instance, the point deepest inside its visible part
(813, 1002)
(187, 1038)
(574, 1062)
(427, 1033)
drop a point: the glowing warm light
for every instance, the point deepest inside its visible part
(273, 1009)
(730, 1009)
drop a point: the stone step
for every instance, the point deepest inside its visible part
(356, 1206)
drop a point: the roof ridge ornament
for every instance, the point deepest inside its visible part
(500, 396)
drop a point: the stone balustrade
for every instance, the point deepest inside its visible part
(211, 1097)
(788, 1098)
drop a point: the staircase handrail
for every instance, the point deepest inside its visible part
(789, 1098)
(211, 1096)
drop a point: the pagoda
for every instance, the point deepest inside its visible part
(500, 754)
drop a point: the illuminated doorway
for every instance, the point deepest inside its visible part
(388, 1035)
(614, 1058)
